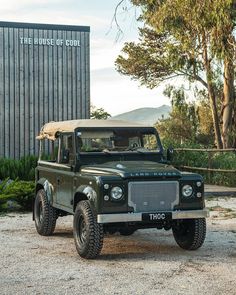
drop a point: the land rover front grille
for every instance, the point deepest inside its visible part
(153, 195)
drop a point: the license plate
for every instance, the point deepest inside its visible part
(156, 216)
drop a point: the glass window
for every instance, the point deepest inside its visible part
(66, 151)
(117, 140)
(49, 150)
(150, 142)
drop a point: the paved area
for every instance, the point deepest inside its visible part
(148, 262)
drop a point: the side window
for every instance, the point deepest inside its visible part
(66, 151)
(49, 150)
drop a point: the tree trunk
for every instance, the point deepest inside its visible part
(211, 92)
(215, 116)
(228, 103)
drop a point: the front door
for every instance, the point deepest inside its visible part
(65, 174)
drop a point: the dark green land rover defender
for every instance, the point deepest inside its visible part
(113, 177)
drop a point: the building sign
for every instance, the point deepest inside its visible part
(49, 42)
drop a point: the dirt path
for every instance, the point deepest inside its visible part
(149, 262)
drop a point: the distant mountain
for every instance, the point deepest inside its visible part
(145, 115)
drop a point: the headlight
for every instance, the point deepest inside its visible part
(116, 193)
(187, 190)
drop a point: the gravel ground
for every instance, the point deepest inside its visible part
(148, 262)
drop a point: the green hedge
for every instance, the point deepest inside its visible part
(23, 169)
(219, 160)
(16, 194)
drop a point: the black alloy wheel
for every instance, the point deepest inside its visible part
(88, 234)
(189, 234)
(45, 215)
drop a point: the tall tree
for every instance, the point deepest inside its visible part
(189, 38)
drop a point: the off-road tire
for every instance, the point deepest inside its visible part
(127, 231)
(44, 214)
(88, 234)
(189, 234)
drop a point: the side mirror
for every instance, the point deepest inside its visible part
(169, 154)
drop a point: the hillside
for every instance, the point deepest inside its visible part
(145, 115)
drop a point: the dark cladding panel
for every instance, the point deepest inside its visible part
(36, 109)
(7, 70)
(74, 74)
(87, 76)
(55, 89)
(83, 70)
(2, 100)
(21, 125)
(79, 100)
(16, 94)
(60, 79)
(44, 76)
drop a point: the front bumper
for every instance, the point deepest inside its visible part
(138, 217)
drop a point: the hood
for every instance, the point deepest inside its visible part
(132, 169)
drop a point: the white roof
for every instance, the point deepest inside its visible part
(50, 129)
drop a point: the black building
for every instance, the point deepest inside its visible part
(44, 76)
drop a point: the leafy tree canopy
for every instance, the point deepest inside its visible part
(189, 38)
(99, 113)
(189, 122)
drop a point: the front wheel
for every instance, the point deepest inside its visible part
(88, 234)
(45, 214)
(189, 234)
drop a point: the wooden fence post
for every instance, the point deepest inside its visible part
(210, 165)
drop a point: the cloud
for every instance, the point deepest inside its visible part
(118, 94)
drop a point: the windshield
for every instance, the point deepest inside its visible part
(117, 140)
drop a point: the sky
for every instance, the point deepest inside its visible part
(109, 90)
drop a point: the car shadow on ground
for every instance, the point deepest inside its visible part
(138, 247)
(149, 245)
(64, 233)
(153, 252)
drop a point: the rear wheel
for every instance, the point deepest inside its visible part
(88, 234)
(189, 234)
(45, 214)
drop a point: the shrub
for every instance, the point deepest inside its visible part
(21, 192)
(23, 169)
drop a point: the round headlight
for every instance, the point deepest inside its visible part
(116, 193)
(187, 190)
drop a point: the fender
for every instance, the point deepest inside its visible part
(48, 187)
(88, 191)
